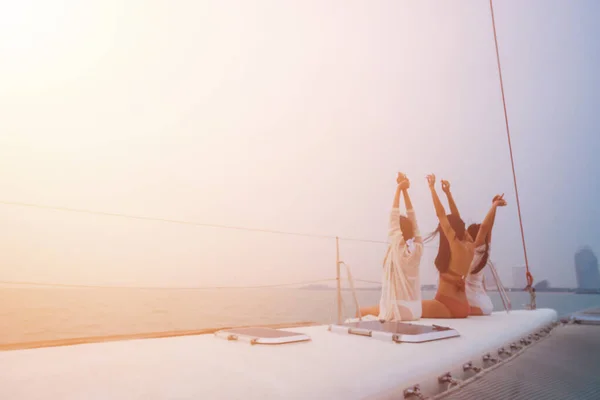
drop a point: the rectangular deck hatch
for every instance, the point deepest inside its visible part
(395, 331)
(257, 335)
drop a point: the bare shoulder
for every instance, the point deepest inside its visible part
(470, 247)
(465, 246)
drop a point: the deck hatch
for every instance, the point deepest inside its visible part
(258, 335)
(395, 331)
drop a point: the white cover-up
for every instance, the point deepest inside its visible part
(474, 288)
(401, 286)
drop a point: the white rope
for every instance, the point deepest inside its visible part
(182, 222)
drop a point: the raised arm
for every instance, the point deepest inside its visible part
(396, 203)
(395, 214)
(439, 207)
(485, 231)
(451, 203)
(410, 212)
(406, 196)
(439, 210)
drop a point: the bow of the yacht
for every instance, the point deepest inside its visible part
(329, 365)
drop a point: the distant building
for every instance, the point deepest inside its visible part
(519, 277)
(542, 285)
(586, 269)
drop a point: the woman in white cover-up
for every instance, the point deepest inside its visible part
(479, 301)
(401, 287)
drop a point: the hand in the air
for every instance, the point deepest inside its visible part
(401, 177)
(445, 186)
(431, 181)
(405, 184)
(499, 201)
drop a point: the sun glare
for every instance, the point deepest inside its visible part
(26, 25)
(45, 41)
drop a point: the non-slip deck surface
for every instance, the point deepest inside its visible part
(565, 365)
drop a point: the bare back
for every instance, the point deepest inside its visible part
(461, 256)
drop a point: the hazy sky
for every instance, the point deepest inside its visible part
(288, 115)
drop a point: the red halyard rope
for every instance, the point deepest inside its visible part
(512, 161)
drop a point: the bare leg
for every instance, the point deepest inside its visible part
(475, 311)
(373, 310)
(435, 309)
(405, 313)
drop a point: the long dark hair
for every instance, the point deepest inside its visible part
(407, 228)
(442, 260)
(473, 231)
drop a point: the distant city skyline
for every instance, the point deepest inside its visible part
(586, 269)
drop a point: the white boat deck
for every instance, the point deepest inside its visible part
(331, 366)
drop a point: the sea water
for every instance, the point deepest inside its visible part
(36, 314)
